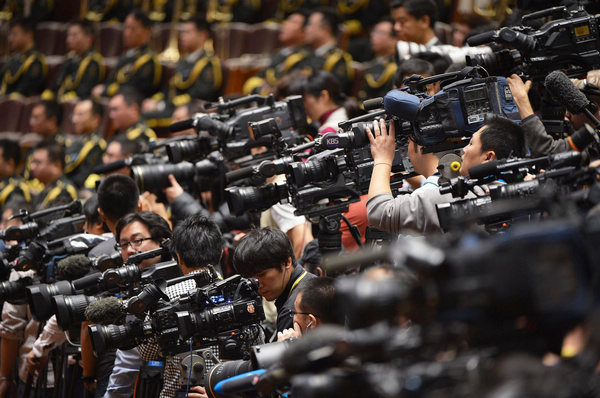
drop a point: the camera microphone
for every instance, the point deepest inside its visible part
(182, 125)
(373, 103)
(564, 91)
(105, 311)
(482, 38)
(74, 267)
(109, 167)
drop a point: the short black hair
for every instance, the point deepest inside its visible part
(27, 24)
(200, 23)
(503, 136)
(317, 82)
(141, 17)
(413, 66)
(157, 226)
(56, 152)
(318, 298)
(85, 25)
(97, 108)
(330, 19)
(127, 146)
(198, 241)
(131, 96)
(90, 210)
(11, 150)
(262, 249)
(440, 62)
(52, 109)
(418, 8)
(118, 195)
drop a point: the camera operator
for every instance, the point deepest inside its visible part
(498, 138)
(537, 140)
(314, 305)
(197, 243)
(267, 255)
(135, 232)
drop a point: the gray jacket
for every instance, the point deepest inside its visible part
(415, 212)
(538, 141)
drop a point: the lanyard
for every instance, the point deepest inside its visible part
(296, 283)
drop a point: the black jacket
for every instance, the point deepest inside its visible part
(285, 302)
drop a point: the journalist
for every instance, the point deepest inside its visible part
(498, 138)
(267, 255)
(197, 243)
(314, 305)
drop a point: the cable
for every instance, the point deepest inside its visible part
(187, 392)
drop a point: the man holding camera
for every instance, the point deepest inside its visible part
(498, 138)
(267, 255)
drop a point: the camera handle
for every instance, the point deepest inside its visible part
(330, 237)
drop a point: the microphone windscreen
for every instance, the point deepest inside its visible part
(564, 91)
(105, 311)
(73, 267)
(239, 174)
(482, 38)
(181, 126)
(401, 104)
(483, 170)
(108, 167)
(373, 103)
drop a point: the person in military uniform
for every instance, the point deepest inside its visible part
(124, 112)
(12, 186)
(82, 70)
(87, 147)
(320, 34)
(45, 120)
(47, 163)
(293, 56)
(223, 11)
(378, 78)
(36, 10)
(139, 66)
(358, 17)
(118, 149)
(198, 75)
(24, 72)
(109, 10)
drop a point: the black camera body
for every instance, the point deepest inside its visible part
(570, 43)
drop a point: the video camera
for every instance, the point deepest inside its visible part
(570, 43)
(230, 126)
(447, 119)
(223, 312)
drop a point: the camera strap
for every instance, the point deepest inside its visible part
(296, 283)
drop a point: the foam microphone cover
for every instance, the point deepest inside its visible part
(401, 104)
(564, 91)
(108, 167)
(182, 125)
(482, 38)
(105, 311)
(73, 267)
(484, 169)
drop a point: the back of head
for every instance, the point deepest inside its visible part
(198, 242)
(330, 19)
(262, 249)
(413, 66)
(118, 195)
(315, 83)
(503, 136)
(418, 8)
(318, 298)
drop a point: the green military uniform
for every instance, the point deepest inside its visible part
(336, 61)
(138, 68)
(197, 76)
(34, 184)
(23, 74)
(283, 62)
(139, 132)
(109, 10)
(61, 188)
(82, 156)
(247, 11)
(77, 76)
(12, 187)
(378, 78)
(358, 17)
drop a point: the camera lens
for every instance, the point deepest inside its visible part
(224, 371)
(15, 292)
(242, 199)
(309, 172)
(105, 337)
(71, 309)
(39, 298)
(155, 177)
